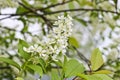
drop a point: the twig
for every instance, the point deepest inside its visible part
(35, 12)
(6, 17)
(81, 9)
(83, 58)
(61, 11)
(75, 78)
(12, 15)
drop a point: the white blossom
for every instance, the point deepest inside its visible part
(56, 41)
(34, 48)
(113, 55)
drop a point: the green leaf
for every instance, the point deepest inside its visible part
(53, 1)
(65, 59)
(73, 42)
(116, 2)
(9, 61)
(19, 78)
(94, 14)
(103, 77)
(83, 22)
(83, 76)
(72, 68)
(26, 3)
(98, 77)
(25, 29)
(43, 64)
(55, 75)
(84, 3)
(116, 17)
(22, 53)
(96, 59)
(23, 20)
(102, 72)
(95, 77)
(71, 5)
(36, 68)
(20, 10)
(59, 63)
(111, 26)
(91, 77)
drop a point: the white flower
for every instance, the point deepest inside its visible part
(25, 49)
(56, 41)
(63, 50)
(34, 48)
(113, 55)
(69, 17)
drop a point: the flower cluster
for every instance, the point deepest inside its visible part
(56, 41)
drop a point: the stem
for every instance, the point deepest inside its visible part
(74, 78)
(23, 68)
(84, 59)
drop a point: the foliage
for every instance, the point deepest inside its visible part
(37, 43)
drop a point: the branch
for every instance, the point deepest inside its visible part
(21, 14)
(5, 17)
(12, 15)
(75, 78)
(81, 9)
(42, 9)
(61, 11)
(49, 24)
(82, 56)
(54, 5)
(26, 7)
